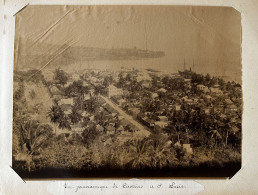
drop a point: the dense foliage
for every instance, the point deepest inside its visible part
(213, 136)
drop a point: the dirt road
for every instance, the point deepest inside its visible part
(143, 131)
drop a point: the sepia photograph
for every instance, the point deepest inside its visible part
(110, 91)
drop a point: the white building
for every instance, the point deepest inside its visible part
(177, 107)
(162, 90)
(154, 95)
(188, 148)
(203, 88)
(75, 77)
(146, 84)
(161, 124)
(68, 101)
(113, 90)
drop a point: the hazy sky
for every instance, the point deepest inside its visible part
(209, 36)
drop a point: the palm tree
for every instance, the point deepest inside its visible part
(91, 105)
(90, 133)
(32, 136)
(161, 155)
(215, 136)
(80, 90)
(99, 89)
(64, 122)
(55, 114)
(139, 154)
(61, 76)
(170, 128)
(108, 80)
(75, 117)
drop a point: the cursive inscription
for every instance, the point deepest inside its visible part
(125, 185)
(176, 185)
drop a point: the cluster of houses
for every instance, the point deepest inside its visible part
(110, 123)
(209, 101)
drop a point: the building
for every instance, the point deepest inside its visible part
(228, 102)
(85, 84)
(146, 84)
(187, 80)
(162, 90)
(67, 108)
(177, 107)
(163, 118)
(191, 101)
(134, 111)
(68, 83)
(154, 95)
(145, 120)
(207, 111)
(216, 91)
(231, 108)
(216, 86)
(203, 88)
(188, 148)
(68, 111)
(208, 97)
(161, 124)
(75, 77)
(113, 90)
(66, 105)
(120, 129)
(77, 128)
(85, 114)
(110, 129)
(139, 78)
(87, 97)
(68, 101)
(55, 91)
